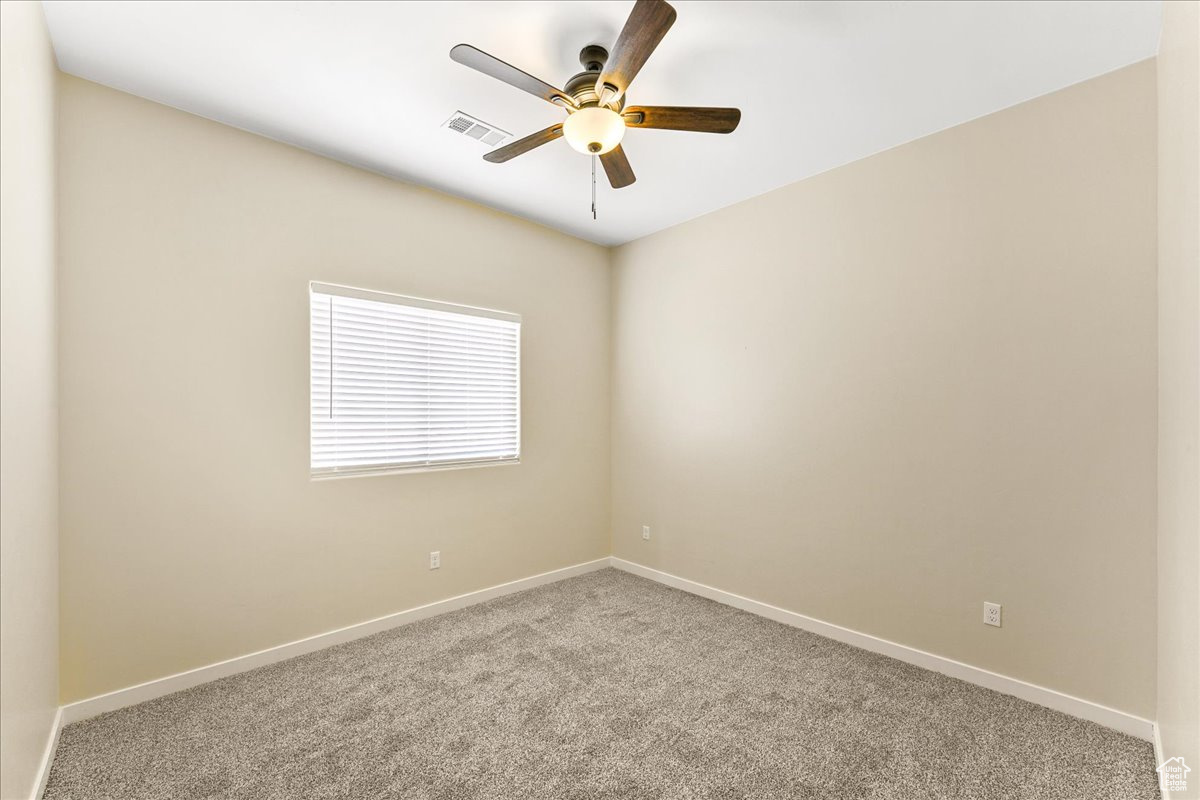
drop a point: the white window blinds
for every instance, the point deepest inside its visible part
(400, 383)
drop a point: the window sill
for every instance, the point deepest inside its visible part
(369, 472)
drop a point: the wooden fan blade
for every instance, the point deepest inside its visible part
(683, 118)
(476, 59)
(616, 166)
(648, 23)
(510, 151)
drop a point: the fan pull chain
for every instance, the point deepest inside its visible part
(593, 187)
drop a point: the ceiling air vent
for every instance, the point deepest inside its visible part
(469, 126)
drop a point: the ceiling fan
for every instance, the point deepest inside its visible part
(595, 98)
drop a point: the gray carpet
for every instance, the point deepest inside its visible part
(605, 685)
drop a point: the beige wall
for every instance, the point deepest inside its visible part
(190, 529)
(1179, 387)
(877, 397)
(28, 397)
(884, 395)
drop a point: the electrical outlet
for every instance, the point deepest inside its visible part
(991, 614)
(435, 559)
(645, 531)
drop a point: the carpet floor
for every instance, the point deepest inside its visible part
(602, 686)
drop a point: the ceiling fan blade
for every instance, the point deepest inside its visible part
(648, 23)
(510, 151)
(683, 118)
(616, 166)
(476, 59)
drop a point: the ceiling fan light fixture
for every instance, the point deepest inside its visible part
(594, 131)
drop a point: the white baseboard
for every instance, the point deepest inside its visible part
(92, 706)
(43, 774)
(1075, 706)
(1160, 759)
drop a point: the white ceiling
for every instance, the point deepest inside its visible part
(819, 83)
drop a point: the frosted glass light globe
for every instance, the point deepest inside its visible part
(594, 130)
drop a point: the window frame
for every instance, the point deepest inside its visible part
(396, 468)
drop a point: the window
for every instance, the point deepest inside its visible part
(399, 383)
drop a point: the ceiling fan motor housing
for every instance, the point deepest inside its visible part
(582, 87)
